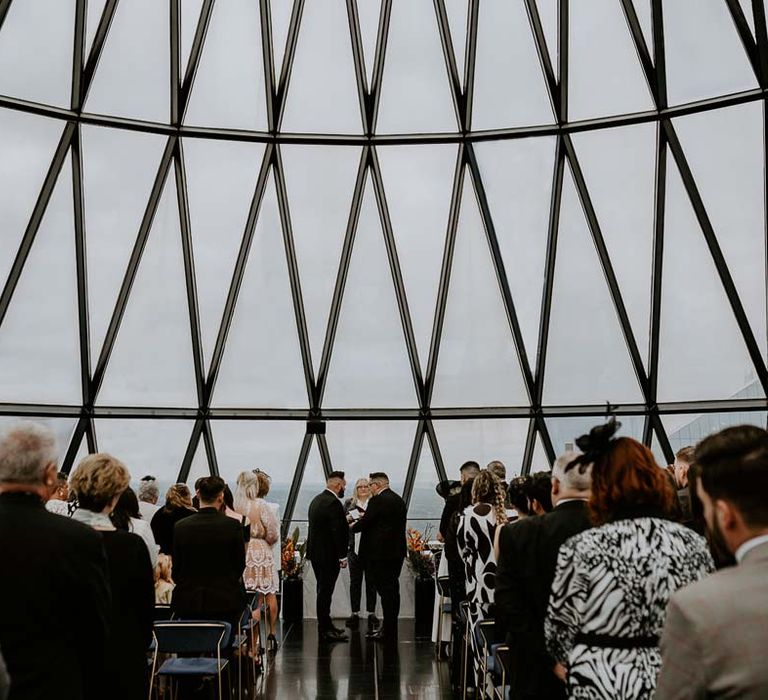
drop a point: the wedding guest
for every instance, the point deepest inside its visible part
(164, 584)
(613, 582)
(126, 517)
(178, 505)
(354, 509)
(148, 495)
(98, 482)
(59, 501)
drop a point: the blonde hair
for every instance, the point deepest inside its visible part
(98, 479)
(358, 483)
(247, 491)
(163, 569)
(486, 485)
(178, 496)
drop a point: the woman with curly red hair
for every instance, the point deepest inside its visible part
(612, 584)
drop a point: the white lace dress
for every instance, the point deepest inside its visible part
(260, 569)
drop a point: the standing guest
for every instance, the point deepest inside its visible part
(230, 512)
(164, 584)
(468, 470)
(527, 557)
(517, 496)
(259, 559)
(208, 560)
(354, 509)
(148, 495)
(613, 582)
(47, 559)
(383, 549)
(327, 550)
(716, 631)
(265, 483)
(59, 501)
(684, 458)
(126, 517)
(540, 493)
(476, 535)
(178, 505)
(98, 482)
(498, 469)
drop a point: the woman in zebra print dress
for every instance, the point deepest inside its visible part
(613, 582)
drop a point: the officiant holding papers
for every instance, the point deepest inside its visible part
(355, 509)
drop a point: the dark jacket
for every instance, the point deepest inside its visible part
(528, 551)
(383, 528)
(163, 523)
(54, 602)
(208, 564)
(328, 533)
(133, 603)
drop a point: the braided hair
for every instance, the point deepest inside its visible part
(486, 488)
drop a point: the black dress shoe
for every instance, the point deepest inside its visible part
(353, 622)
(374, 634)
(373, 621)
(338, 630)
(333, 635)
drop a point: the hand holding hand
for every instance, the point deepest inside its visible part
(343, 564)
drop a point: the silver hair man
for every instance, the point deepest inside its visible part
(572, 483)
(148, 491)
(28, 455)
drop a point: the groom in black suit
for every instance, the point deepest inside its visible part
(383, 549)
(327, 542)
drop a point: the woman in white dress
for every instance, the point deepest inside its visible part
(260, 573)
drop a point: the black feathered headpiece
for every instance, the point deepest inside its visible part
(595, 444)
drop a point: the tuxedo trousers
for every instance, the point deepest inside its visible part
(326, 574)
(385, 575)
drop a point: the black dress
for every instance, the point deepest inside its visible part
(133, 600)
(163, 522)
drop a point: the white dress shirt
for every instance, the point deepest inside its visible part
(749, 545)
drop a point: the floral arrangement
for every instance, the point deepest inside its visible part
(292, 556)
(420, 559)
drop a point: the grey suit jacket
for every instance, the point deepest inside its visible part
(716, 635)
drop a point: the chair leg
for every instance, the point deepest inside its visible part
(464, 660)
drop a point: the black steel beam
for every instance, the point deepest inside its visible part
(97, 47)
(325, 455)
(562, 58)
(358, 58)
(413, 462)
(747, 40)
(5, 5)
(78, 51)
(293, 491)
(641, 47)
(189, 455)
(175, 61)
(268, 61)
(283, 82)
(449, 55)
(470, 60)
(193, 63)
(434, 447)
(659, 54)
(544, 59)
(530, 444)
(74, 445)
(210, 448)
(546, 440)
(382, 39)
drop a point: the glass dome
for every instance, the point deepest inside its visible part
(379, 236)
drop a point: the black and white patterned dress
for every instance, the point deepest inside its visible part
(615, 581)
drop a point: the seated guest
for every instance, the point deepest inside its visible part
(47, 560)
(208, 560)
(148, 495)
(98, 482)
(59, 501)
(178, 505)
(475, 535)
(613, 582)
(126, 517)
(354, 509)
(164, 584)
(716, 630)
(527, 557)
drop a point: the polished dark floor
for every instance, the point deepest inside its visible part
(304, 668)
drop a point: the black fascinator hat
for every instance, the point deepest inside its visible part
(595, 444)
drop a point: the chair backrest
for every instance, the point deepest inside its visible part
(191, 636)
(162, 612)
(444, 586)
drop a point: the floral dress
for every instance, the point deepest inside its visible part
(260, 567)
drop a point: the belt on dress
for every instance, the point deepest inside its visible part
(610, 641)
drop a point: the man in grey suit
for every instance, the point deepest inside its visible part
(716, 631)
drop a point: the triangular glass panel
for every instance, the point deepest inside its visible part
(151, 363)
(39, 341)
(322, 95)
(82, 453)
(368, 13)
(587, 356)
(605, 74)
(369, 363)
(458, 11)
(729, 172)
(63, 429)
(155, 447)
(517, 175)
(425, 507)
(563, 431)
(418, 181)
(505, 47)
(95, 8)
(619, 169)
(221, 179)
(688, 429)
(477, 364)
(549, 24)
(482, 440)
(229, 85)
(133, 77)
(119, 169)
(272, 446)
(539, 460)
(27, 143)
(312, 483)
(645, 17)
(199, 467)
(359, 448)
(190, 16)
(280, 14)
(36, 51)
(415, 89)
(746, 8)
(704, 58)
(694, 362)
(262, 363)
(320, 181)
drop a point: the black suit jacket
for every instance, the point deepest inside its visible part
(54, 602)
(328, 535)
(383, 528)
(208, 564)
(528, 551)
